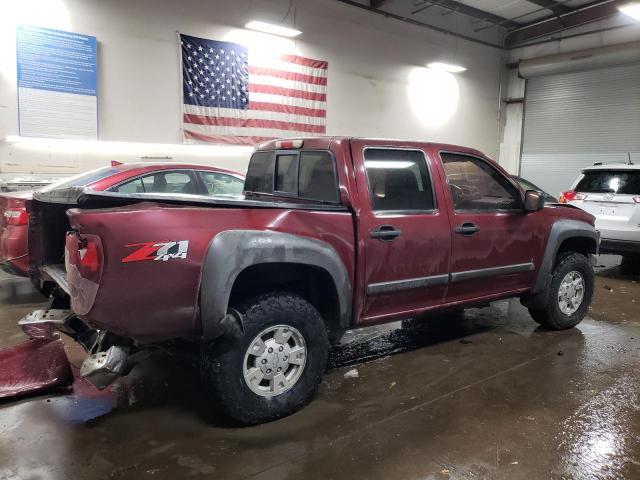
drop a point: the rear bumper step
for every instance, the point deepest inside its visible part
(45, 323)
(103, 368)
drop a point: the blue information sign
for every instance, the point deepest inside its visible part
(57, 83)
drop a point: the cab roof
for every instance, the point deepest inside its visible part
(327, 141)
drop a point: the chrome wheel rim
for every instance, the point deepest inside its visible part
(274, 360)
(571, 292)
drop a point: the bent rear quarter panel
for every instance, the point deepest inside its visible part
(153, 300)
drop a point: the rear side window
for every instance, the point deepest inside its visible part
(134, 186)
(398, 180)
(221, 183)
(160, 182)
(260, 173)
(610, 181)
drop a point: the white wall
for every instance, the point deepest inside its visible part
(370, 61)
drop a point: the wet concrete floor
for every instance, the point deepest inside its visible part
(487, 395)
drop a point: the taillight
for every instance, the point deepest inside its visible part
(16, 216)
(16, 212)
(569, 195)
(84, 252)
(636, 199)
(83, 260)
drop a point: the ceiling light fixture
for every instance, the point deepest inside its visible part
(446, 67)
(272, 29)
(631, 9)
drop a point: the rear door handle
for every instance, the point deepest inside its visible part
(467, 229)
(385, 232)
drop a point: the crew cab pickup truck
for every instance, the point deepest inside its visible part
(331, 234)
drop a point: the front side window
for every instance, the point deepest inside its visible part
(398, 180)
(476, 185)
(221, 183)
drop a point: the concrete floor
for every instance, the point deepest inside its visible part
(487, 396)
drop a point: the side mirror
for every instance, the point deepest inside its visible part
(533, 201)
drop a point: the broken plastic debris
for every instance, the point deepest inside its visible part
(353, 373)
(33, 366)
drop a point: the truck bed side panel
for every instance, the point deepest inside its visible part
(150, 293)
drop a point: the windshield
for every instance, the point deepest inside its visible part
(82, 179)
(610, 181)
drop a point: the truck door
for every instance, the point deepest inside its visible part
(495, 242)
(403, 230)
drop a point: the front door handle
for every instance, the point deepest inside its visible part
(385, 232)
(467, 229)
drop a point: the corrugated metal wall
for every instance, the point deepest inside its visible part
(575, 119)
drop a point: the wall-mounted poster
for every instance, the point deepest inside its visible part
(57, 84)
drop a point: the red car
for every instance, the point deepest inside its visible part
(125, 178)
(333, 234)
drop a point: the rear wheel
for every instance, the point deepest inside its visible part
(569, 293)
(275, 366)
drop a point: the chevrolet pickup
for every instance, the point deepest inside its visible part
(331, 234)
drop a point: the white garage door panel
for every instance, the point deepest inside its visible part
(573, 120)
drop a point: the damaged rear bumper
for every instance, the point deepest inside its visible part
(108, 357)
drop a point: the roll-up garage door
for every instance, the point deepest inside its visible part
(573, 120)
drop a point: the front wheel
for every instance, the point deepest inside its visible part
(274, 367)
(569, 294)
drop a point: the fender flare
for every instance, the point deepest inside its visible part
(232, 251)
(561, 230)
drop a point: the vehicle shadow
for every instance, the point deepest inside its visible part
(375, 342)
(171, 379)
(166, 379)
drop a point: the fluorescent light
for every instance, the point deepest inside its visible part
(388, 164)
(631, 9)
(272, 29)
(124, 148)
(446, 67)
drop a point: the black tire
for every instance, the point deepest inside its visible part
(550, 316)
(222, 361)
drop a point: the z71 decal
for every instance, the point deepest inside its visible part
(157, 251)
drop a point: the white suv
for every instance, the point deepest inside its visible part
(611, 193)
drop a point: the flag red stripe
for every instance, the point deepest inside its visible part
(226, 139)
(291, 109)
(295, 76)
(252, 123)
(287, 92)
(307, 62)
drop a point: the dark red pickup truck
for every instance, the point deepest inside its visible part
(333, 233)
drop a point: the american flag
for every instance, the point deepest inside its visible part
(231, 100)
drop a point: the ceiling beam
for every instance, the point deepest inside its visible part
(550, 25)
(454, 6)
(555, 7)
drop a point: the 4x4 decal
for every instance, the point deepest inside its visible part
(157, 251)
